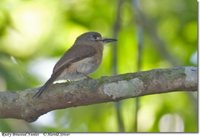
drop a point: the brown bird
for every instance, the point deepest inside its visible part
(83, 58)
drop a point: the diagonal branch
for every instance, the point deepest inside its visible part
(21, 105)
(159, 44)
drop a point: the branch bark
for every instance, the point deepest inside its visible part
(21, 105)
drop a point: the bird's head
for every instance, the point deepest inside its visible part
(93, 37)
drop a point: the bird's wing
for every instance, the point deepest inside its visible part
(75, 53)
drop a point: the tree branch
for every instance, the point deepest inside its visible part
(21, 105)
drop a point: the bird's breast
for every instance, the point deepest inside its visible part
(90, 64)
(87, 65)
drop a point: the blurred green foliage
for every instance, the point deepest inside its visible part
(33, 29)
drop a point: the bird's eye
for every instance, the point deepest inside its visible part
(96, 37)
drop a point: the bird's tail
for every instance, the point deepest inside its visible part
(53, 77)
(45, 86)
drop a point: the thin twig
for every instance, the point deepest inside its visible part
(116, 29)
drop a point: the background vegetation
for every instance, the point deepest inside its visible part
(35, 33)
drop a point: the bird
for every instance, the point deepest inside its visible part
(83, 58)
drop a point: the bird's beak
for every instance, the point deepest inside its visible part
(107, 40)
